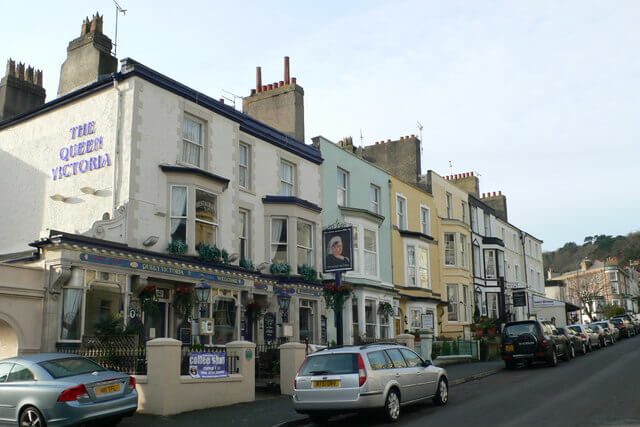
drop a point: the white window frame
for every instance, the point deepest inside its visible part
(375, 253)
(449, 205)
(244, 169)
(454, 250)
(425, 225)
(288, 184)
(342, 190)
(300, 246)
(463, 250)
(487, 225)
(477, 261)
(401, 219)
(374, 190)
(185, 217)
(494, 265)
(195, 216)
(185, 140)
(474, 219)
(412, 318)
(374, 309)
(272, 252)
(245, 222)
(464, 211)
(456, 301)
(411, 266)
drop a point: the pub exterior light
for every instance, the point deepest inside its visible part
(203, 291)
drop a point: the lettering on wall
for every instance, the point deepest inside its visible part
(80, 156)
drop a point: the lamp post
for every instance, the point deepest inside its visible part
(203, 292)
(283, 302)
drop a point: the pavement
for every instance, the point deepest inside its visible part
(270, 410)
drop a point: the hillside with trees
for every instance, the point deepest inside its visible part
(598, 247)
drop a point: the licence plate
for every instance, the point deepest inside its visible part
(107, 389)
(326, 383)
(508, 347)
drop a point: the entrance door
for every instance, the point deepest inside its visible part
(306, 324)
(155, 325)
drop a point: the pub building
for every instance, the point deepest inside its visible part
(141, 188)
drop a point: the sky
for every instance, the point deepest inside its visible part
(540, 98)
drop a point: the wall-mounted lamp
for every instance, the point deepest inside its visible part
(150, 241)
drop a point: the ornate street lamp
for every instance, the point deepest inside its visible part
(283, 302)
(203, 292)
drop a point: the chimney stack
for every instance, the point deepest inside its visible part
(279, 105)
(20, 91)
(88, 57)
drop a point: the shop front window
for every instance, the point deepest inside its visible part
(224, 315)
(102, 303)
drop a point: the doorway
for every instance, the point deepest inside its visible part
(8, 341)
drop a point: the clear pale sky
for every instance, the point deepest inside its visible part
(540, 97)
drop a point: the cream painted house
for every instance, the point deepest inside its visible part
(109, 174)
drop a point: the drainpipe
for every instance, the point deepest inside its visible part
(524, 268)
(116, 154)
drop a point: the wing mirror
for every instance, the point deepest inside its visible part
(426, 363)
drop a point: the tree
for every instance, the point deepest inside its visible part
(611, 310)
(588, 240)
(585, 288)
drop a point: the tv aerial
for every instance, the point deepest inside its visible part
(119, 10)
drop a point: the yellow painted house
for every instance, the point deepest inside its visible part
(415, 256)
(454, 243)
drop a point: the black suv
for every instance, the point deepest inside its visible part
(531, 341)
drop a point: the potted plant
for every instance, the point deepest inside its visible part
(183, 302)
(149, 300)
(308, 273)
(386, 309)
(254, 309)
(177, 247)
(282, 269)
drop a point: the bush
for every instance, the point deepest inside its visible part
(308, 273)
(247, 264)
(611, 310)
(213, 254)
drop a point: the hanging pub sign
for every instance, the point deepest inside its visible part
(337, 249)
(520, 299)
(269, 326)
(207, 365)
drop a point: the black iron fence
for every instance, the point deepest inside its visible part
(120, 353)
(232, 361)
(268, 364)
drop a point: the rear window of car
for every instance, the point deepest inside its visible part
(331, 364)
(379, 360)
(20, 373)
(520, 328)
(69, 366)
(576, 328)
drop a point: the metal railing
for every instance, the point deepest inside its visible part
(112, 355)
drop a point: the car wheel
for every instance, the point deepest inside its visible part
(31, 417)
(584, 349)
(566, 356)
(590, 348)
(392, 406)
(553, 361)
(442, 397)
(572, 352)
(319, 418)
(604, 342)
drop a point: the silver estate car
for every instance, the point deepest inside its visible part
(352, 378)
(54, 389)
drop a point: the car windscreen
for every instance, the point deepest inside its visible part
(331, 364)
(69, 366)
(521, 328)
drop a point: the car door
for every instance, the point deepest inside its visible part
(425, 377)
(404, 375)
(19, 384)
(6, 408)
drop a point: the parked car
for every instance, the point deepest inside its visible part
(529, 341)
(608, 326)
(577, 342)
(625, 327)
(353, 378)
(62, 390)
(591, 338)
(605, 336)
(632, 319)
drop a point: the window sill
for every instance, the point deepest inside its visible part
(246, 190)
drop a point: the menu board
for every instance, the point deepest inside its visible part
(269, 326)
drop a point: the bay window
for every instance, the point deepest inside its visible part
(477, 261)
(418, 266)
(384, 325)
(411, 266)
(463, 250)
(490, 264)
(206, 223)
(370, 318)
(370, 253)
(453, 303)
(450, 249)
(492, 304)
(178, 213)
(305, 244)
(279, 241)
(415, 318)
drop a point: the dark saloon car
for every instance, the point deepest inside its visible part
(578, 343)
(531, 341)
